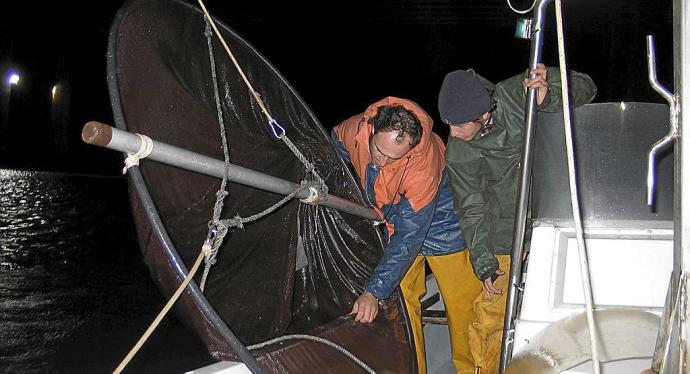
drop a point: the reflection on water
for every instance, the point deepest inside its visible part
(74, 293)
(66, 245)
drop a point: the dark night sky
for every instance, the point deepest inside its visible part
(339, 56)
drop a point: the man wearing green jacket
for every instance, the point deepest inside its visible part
(483, 158)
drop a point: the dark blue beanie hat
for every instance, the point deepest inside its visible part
(462, 98)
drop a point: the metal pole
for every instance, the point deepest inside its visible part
(681, 232)
(515, 275)
(671, 351)
(100, 134)
(665, 350)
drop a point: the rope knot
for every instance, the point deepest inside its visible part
(145, 148)
(236, 221)
(221, 194)
(206, 248)
(317, 192)
(208, 32)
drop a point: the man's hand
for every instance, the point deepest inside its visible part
(489, 284)
(366, 308)
(539, 82)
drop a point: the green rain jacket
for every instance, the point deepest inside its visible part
(484, 171)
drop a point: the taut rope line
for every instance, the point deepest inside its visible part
(582, 249)
(205, 248)
(237, 65)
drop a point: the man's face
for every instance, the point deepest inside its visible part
(384, 148)
(467, 131)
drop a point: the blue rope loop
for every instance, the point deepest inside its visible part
(212, 230)
(273, 124)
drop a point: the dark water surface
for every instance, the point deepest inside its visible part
(75, 295)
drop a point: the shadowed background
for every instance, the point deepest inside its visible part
(340, 56)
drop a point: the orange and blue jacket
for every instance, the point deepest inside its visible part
(412, 195)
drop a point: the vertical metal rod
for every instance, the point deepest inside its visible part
(515, 275)
(670, 353)
(681, 234)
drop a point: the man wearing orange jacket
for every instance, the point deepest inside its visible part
(400, 165)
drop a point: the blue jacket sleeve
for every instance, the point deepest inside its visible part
(410, 231)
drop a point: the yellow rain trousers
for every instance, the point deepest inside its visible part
(475, 322)
(459, 288)
(486, 331)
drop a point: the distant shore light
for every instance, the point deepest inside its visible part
(13, 79)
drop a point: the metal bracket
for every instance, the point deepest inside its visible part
(664, 142)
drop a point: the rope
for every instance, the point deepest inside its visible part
(145, 148)
(256, 95)
(222, 192)
(164, 311)
(313, 196)
(323, 190)
(221, 124)
(316, 339)
(521, 11)
(223, 225)
(216, 224)
(309, 167)
(582, 250)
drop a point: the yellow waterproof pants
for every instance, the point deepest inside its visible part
(486, 331)
(459, 289)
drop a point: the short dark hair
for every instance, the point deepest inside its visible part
(397, 118)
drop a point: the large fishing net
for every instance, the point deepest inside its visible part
(298, 267)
